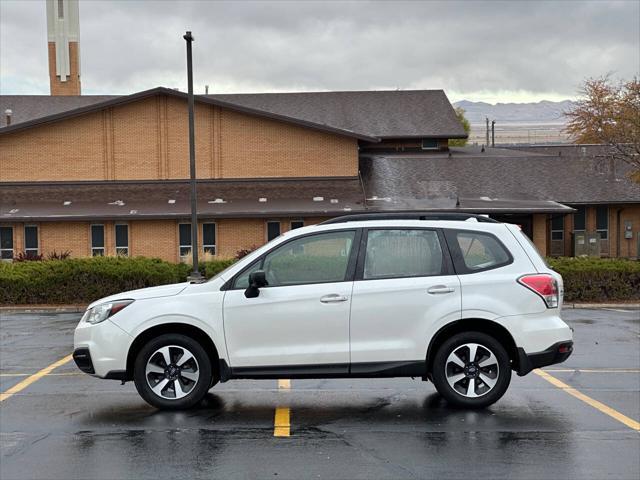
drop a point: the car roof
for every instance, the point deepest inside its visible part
(400, 223)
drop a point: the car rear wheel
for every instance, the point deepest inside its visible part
(172, 372)
(471, 370)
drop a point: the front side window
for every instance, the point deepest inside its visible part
(97, 240)
(6, 243)
(184, 232)
(31, 241)
(122, 240)
(478, 251)
(402, 253)
(319, 258)
(602, 221)
(209, 238)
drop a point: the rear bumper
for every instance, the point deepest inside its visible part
(557, 353)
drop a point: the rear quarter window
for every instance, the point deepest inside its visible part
(476, 251)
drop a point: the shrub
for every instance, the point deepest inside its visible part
(28, 257)
(598, 279)
(83, 280)
(243, 252)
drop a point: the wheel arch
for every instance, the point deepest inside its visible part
(174, 327)
(482, 325)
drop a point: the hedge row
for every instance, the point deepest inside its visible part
(598, 279)
(83, 280)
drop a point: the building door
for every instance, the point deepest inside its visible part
(525, 222)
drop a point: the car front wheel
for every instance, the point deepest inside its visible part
(172, 372)
(471, 370)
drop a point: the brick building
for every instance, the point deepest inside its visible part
(107, 175)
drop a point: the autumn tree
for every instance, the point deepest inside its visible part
(609, 113)
(461, 142)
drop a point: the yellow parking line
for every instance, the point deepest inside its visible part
(284, 384)
(629, 422)
(593, 370)
(282, 420)
(68, 374)
(33, 378)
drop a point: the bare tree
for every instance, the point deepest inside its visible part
(609, 114)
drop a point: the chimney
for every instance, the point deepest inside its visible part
(8, 112)
(63, 35)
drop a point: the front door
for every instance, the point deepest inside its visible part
(404, 288)
(300, 321)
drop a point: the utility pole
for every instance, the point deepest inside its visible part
(195, 274)
(487, 120)
(493, 133)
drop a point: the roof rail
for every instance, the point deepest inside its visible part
(410, 216)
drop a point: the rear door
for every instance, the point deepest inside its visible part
(405, 286)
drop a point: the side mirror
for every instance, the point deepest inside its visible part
(257, 280)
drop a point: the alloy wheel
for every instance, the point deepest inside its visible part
(472, 370)
(172, 372)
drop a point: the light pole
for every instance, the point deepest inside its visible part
(195, 274)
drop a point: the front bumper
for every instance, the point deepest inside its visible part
(101, 349)
(557, 353)
(82, 357)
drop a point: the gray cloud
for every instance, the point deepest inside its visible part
(544, 48)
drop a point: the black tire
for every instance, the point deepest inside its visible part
(196, 389)
(443, 372)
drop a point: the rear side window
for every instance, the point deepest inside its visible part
(476, 251)
(402, 253)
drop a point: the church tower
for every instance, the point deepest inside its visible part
(63, 34)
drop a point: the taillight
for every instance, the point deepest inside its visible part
(544, 285)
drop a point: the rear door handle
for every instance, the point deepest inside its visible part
(440, 289)
(333, 298)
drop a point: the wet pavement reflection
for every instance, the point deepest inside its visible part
(74, 426)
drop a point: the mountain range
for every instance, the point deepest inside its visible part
(539, 112)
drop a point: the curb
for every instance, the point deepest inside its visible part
(43, 309)
(595, 306)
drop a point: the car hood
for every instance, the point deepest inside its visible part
(145, 293)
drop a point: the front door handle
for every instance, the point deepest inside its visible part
(440, 289)
(333, 298)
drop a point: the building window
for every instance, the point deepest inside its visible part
(429, 144)
(297, 224)
(6, 243)
(122, 240)
(273, 230)
(184, 231)
(209, 238)
(97, 240)
(60, 9)
(31, 241)
(579, 219)
(602, 221)
(557, 227)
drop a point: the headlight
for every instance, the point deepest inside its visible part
(101, 312)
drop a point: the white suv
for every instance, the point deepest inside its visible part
(460, 301)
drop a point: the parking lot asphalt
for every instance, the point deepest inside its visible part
(68, 425)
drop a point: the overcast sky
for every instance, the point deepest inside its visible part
(491, 51)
